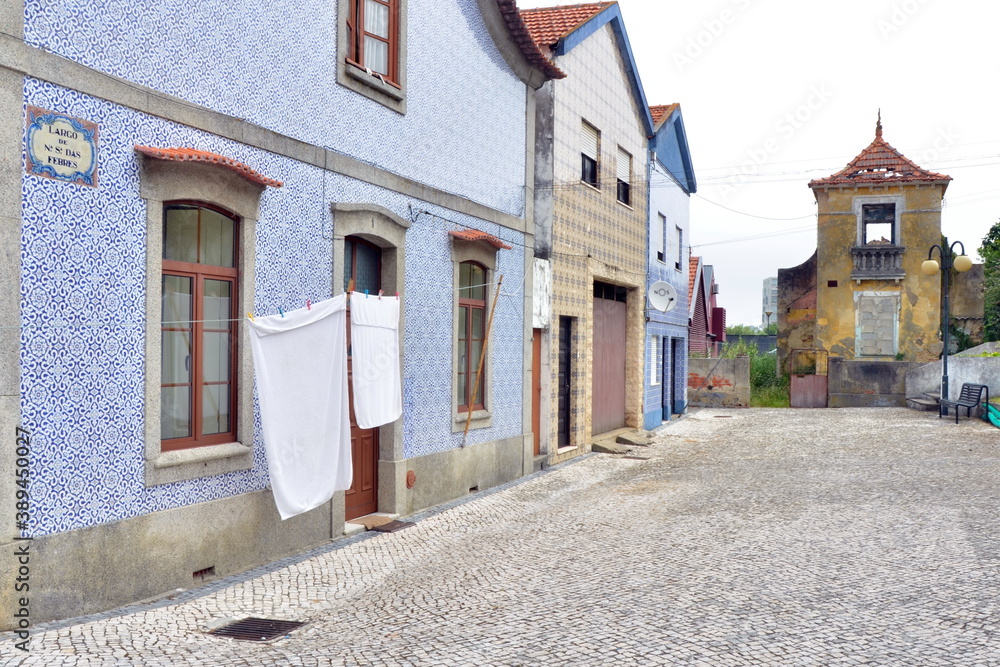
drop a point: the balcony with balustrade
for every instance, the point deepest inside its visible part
(878, 261)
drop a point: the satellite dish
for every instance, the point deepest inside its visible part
(662, 296)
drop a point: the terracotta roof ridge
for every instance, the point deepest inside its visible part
(548, 25)
(196, 155)
(522, 37)
(477, 235)
(880, 162)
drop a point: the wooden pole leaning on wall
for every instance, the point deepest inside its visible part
(482, 357)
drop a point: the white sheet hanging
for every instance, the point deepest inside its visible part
(375, 359)
(300, 362)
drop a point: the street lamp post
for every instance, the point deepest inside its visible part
(768, 313)
(961, 263)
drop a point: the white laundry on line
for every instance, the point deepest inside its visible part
(300, 362)
(375, 359)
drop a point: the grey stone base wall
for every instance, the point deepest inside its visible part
(451, 474)
(99, 568)
(868, 384)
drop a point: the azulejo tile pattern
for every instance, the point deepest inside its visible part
(83, 291)
(273, 64)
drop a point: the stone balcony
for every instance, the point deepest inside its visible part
(878, 262)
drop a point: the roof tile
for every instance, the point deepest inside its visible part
(547, 25)
(194, 155)
(476, 235)
(880, 164)
(661, 112)
(523, 39)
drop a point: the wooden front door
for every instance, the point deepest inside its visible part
(536, 389)
(363, 265)
(608, 409)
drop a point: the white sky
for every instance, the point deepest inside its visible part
(796, 86)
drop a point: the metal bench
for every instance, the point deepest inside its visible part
(969, 398)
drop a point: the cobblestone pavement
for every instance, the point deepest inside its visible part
(750, 537)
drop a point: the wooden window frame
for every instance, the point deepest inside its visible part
(199, 273)
(471, 305)
(356, 36)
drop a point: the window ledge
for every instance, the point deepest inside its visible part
(374, 81)
(480, 419)
(592, 187)
(628, 206)
(185, 464)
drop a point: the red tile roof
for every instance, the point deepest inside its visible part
(547, 25)
(519, 32)
(476, 235)
(194, 155)
(692, 275)
(880, 164)
(662, 112)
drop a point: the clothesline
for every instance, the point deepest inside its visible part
(141, 323)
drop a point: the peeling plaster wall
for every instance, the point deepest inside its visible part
(918, 295)
(719, 383)
(796, 309)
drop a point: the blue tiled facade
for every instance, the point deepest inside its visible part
(668, 252)
(83, 250)
(273, 64)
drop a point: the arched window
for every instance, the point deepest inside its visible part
(471, 335)
(198, 309)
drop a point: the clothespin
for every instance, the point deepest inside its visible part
(309, 305)
(250, 315)
(397, 295)
(380, 295)
(281, 311)
(366, 294)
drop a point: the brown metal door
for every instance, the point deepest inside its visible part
(608, 411)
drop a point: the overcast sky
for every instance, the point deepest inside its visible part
(777, 92)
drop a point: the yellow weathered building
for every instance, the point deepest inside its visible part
(862, 295)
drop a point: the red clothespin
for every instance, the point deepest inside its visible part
(397, 295)
(380, 295)
(309, 304)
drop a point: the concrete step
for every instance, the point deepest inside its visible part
(635, 438)
(923, 404)
(932, 396)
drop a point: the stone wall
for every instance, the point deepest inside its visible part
(867, 384)
(719, 383)
(961, 368)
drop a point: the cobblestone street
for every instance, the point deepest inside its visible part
(760, 536)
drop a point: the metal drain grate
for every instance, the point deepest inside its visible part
(257, 629)
(393, 526)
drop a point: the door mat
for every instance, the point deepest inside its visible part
(371, 521)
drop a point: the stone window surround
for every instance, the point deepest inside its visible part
(895, 296)
(860, 201)
(164, 181)
(475, 251)
(383, 228)
(359, 80)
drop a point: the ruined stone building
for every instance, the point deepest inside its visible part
(862, 295)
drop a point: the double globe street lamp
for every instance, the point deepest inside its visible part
(961, 263)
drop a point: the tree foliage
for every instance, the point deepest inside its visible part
(990, 252)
